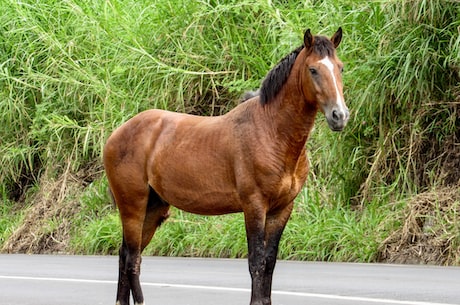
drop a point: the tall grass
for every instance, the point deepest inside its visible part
(413, 97)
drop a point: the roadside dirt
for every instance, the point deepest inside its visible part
(430, 230)
(47, 223)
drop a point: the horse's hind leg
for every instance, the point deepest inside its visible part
(157, 212)
(132, 201)
(129, 271)
(123, 290)
(139, 225)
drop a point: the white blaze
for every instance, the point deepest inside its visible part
(330, 66)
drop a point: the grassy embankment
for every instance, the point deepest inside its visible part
(71, 72)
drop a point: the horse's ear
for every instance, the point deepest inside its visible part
(308, 39)
(337, 37)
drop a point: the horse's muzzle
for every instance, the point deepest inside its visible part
(338, 119)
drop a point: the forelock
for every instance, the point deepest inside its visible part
(323, 46)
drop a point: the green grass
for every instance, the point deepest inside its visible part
(9, 220)
(321, 231)
(97, 229)
(72, 71)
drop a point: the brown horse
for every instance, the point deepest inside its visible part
(250, 160)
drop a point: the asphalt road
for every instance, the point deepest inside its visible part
(78, 280)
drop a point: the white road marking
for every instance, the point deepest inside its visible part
(246, 290)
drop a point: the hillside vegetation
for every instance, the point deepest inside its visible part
(385, 189)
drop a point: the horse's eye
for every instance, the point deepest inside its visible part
(313, 71)
(341, 69)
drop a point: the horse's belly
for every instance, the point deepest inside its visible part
(207, 192)
(202, 201)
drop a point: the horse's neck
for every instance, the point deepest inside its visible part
(292, 118)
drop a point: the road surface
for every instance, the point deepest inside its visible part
(78, 280)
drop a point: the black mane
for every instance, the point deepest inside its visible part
(277, 76)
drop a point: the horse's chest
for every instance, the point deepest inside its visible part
(291, 182)
(289, 187)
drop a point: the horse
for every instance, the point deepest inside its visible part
(251, 160)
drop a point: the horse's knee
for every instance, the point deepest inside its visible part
(257, 267)
(133, 263)
(262, 301)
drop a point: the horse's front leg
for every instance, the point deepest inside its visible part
(255, 233)
(274, 227)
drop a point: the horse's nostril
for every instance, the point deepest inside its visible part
(335, 115)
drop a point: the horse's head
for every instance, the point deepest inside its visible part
(321, 78)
